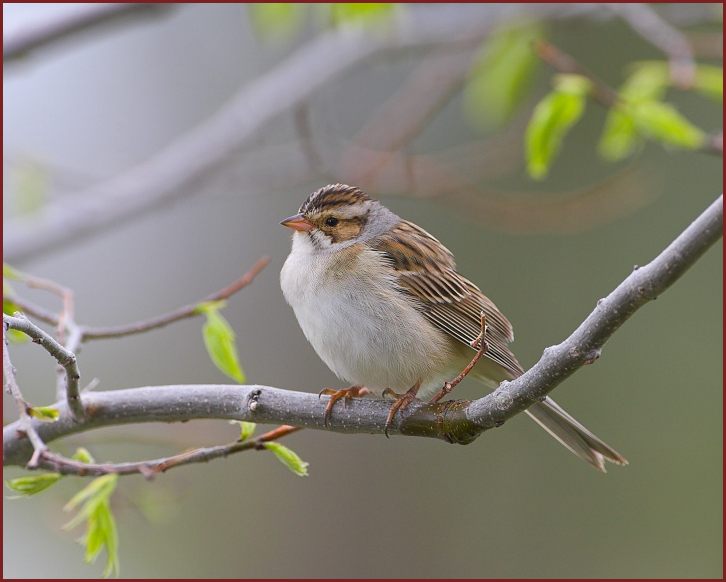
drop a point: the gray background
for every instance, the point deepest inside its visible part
(514, 503)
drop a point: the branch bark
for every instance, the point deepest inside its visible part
(454, 421)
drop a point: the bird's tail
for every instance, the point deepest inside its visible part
(553, 418)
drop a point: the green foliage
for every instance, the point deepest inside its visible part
(642, 115)
(94, 507)
(11, 273)
(620, 137)
(82, 455)
(276, 21)
(662, 122)
(44, 413)
(289, 458)
(360, 14)
(31, 484)
(219, 341)
(9, 305)
(501, 75)
(552, 118)
(32, 186)
(709, 81)
(247, 429)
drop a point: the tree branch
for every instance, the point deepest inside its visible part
(43, 32)
(167, 175)
(151, 468)
(661, 34)
(453, 421)
(89, 333)
(65, 358)
(86, 333)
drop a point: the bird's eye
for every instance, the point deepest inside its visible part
(331, 221)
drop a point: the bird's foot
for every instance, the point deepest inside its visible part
(401, 402)
(335, 395)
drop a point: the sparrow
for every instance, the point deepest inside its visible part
(383, 305)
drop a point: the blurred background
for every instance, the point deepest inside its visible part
(147, 162)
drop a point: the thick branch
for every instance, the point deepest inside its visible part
(454, 421)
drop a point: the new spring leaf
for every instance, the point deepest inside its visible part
(32, 484)
(289, 458)
(219, 341)
(552, 118)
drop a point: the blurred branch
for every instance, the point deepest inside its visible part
(453, 421)
(564, 63)
(51, 28)
(661, 34)
(169, 173)
(707, 45)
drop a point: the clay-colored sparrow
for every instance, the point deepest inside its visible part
(381, 302)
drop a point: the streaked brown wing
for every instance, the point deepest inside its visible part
(426, 270)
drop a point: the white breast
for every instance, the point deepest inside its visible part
(366, 331)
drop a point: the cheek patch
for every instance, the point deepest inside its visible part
(346, 230)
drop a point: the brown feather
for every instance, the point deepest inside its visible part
(425, 269)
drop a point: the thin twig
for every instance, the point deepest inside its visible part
(453, 421)
(64, 357)
(191, 310)
(67, 331)
(25, 426)
(561, 61)
(87, 333)
(151, 468)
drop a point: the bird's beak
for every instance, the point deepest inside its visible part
(298, 222)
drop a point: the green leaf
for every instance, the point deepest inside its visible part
(663, 123)
(360, 14)
(289, 458)
(44, 413)
(219, 341)
(99, 488)
(94, 503)
(501, 75)
(11, 273)
(32, 186)
(551, 120)
(83, 455)
(276, 21)
(648, 81)
(17, 337)
(620, 137)
(32, 484)
(8, 306)
(247, 429)
(709, 81)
